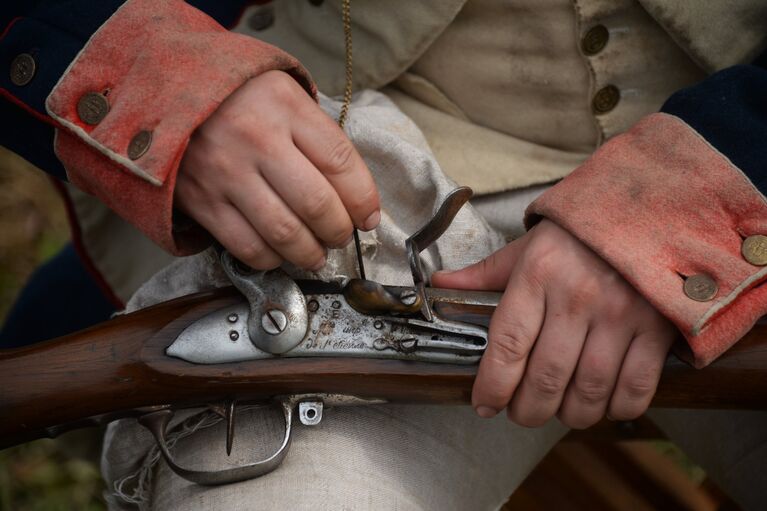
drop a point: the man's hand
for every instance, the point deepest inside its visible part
(273, 178)
(570, 337)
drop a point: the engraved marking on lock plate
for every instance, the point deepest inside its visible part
(335, 330)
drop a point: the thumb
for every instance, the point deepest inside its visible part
(490, 274)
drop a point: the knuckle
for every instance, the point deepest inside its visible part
(240, 127)
(317, 261)
(281, 85)
(285, 231)
(340, 237)
(594, 388)
(340, 156)
(319, 204)
(256, 255)
(268, 145)
(548, 381)
(638, 388)
(216, 161)
(545, 252)
(510, 347)
(487, 267)
(268, 262)
(203, 157)
(250, 252)
(639, 385)
(618, 307)
(537, 262)
(188, 192)
(268, 138)
(311, 256)
(582, 296)
(585, 292)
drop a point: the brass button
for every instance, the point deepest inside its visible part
(139, 144)
(606, 99)
(262, 18)
(595, 40)
(23, 69)
(700, 288)
(754, 250)
(92, 108)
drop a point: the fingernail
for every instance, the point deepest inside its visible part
(443, 272)
(372, 221)
(320, 265)
(486, 412)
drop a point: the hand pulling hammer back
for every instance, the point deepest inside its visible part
(302, 345)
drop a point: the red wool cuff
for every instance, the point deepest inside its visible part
(160, 68)
(661, 205)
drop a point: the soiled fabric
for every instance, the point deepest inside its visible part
(362, 457)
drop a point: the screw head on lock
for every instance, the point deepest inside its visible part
(408, 296)
(272, 297)
(274, 321)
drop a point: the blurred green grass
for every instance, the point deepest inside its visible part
(45, 475)
(33, 224)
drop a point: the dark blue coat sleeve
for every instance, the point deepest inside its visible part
(53, 32)
(729, 109)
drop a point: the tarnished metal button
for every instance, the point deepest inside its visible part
(23, 69)
(262, 18)
(754, 249)
(92, 108)
(606, 99)
(139, 144)
(595, 40)
(701, 288)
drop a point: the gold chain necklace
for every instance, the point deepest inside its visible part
(347, 19)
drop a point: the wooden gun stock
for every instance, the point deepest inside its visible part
(119, 368)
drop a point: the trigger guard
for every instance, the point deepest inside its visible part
(157, 423)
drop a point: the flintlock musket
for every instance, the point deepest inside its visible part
(301, 345)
